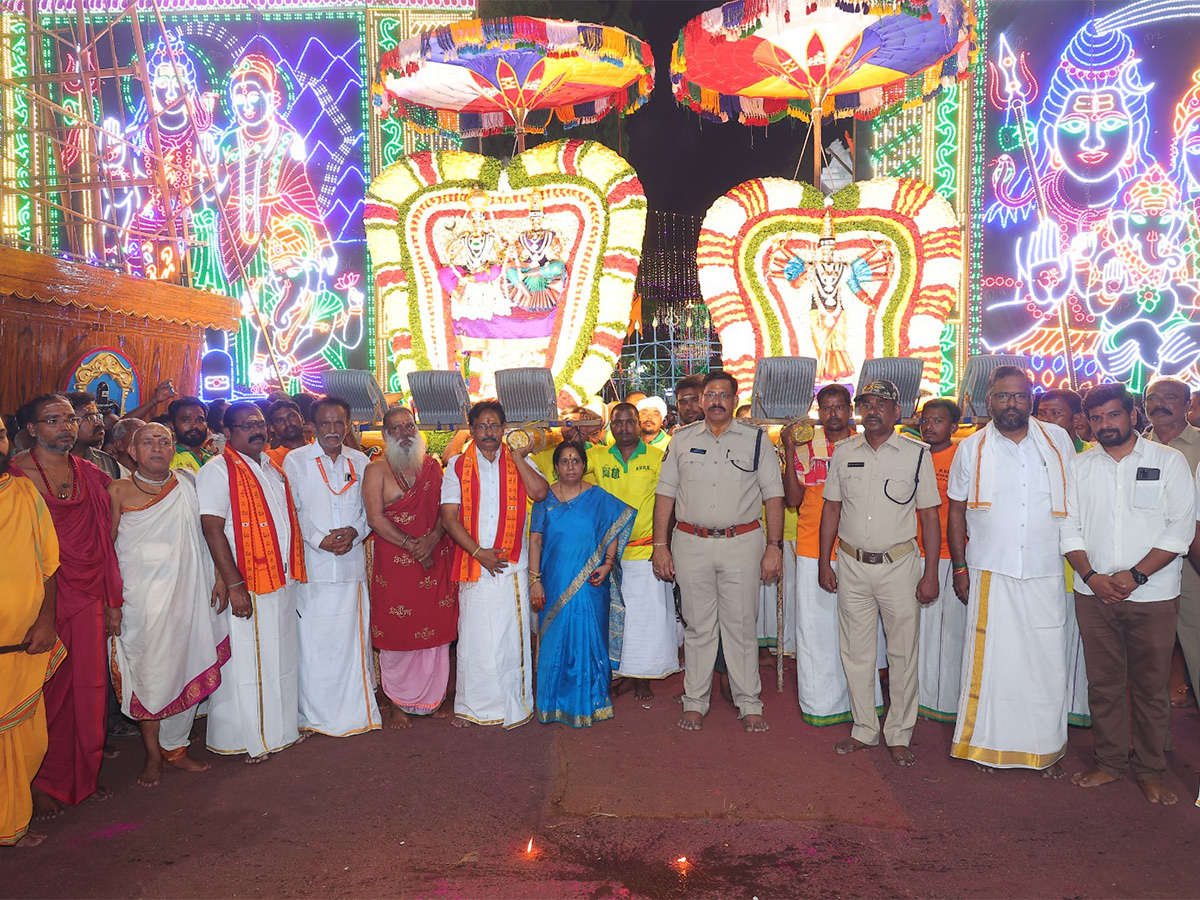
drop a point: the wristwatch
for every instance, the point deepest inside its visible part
(778, 544)
(1138, 577)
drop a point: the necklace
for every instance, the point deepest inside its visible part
(71, 484)
(562, 493)
(151, 481)
(350, 479)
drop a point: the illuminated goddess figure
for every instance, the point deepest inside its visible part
(540, 275)
(475, 264)
(835, 287)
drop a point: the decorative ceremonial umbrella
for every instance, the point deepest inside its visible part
(486, 76)
(760, 60)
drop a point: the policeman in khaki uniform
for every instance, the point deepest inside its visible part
(879, 484)
(716, 478)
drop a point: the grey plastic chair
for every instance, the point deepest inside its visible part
(527, 395)
(440, 398)
(783, 387)
(972, 387)
(359, 388)
(902, 371)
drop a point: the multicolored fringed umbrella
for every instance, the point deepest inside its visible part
(487, 76)
(761, 60)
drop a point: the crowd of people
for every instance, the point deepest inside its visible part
(247, 560)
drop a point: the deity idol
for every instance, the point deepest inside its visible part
(275, 248)
(540, 275)
(839, 293)
(1091, 142)
(473, 275)
(1185, 165)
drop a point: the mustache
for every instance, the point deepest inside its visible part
(1159, 409)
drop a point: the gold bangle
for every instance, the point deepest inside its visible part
(660, 545)
(535, 576)
(475, 552)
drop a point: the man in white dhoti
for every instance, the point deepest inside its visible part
(250, 526)
(484, 507)
(337, 675)
(169, 643)
(820, 679)
(1008, 490)
(629, 471)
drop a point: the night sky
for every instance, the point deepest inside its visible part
(684, 162)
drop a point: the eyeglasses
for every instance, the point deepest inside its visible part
(92, 417)
(55, 421)
(717, 395)
(1005, 396)
(250, 425)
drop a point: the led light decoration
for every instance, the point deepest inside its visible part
(1090, 223)
(873, 271)
(479, 267)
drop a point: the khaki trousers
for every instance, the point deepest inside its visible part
(1127, 648)
(719, 580)
(1188, 623)
(867, 593)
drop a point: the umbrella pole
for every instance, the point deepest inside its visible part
(817, 150)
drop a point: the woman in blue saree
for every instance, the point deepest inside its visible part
(576, 536)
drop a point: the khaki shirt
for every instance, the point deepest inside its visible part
(870, 521)
(1188, 443)
(712, 479)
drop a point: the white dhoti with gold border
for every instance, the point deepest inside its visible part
(494, 684)
(768, 614)
(939, 662)
(650, 646)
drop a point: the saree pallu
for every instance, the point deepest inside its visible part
(582, 623)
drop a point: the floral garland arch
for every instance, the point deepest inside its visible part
(480, 267)
(872, 271)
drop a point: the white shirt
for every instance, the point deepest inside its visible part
(212, 487)
(1018, 535)
(489, 505)
(321, 510)
(1118, 517)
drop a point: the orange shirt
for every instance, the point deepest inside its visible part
(277, 454)
(808, 516)
(941, 466)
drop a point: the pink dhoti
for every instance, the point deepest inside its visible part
(415, 680)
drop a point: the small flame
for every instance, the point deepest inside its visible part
(529, 846)
(682, 860)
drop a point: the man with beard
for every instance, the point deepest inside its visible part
(1064, 408)
(122, 437)
(717, 478)
(90, 437)
(821, 681)
(168, 645)
(629, 471)
(287, 424)
(651, 412)
(89, 585)
(189, 421)
(253, 533)
(484, 510)
(1167, 406)
(414, 599)
(1130, 517)
(878, 485)
(336, 696)
(30, 651)
(1008, 491)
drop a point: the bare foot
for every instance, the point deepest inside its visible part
(30, 839)
(255, 760)
(723, 687)
(45, 806)
(442, 712)
(186, 764)
(304, 736)
(1157, 792)
(1054, 772)
(902, 756)
(754, 723)
(678, 698)
(986, 770)
(850, 745)
(151, 773)
(1181, 697)
(110, 752)
(398, 718)
(1093, 778)
(765, 655)
(691, 721)
(641, 689)
(620, 685)
(460, 722)
(100, 794)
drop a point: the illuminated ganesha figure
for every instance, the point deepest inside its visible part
(838, 288)
(275, 249)
(1137, 285)
(1090, 143)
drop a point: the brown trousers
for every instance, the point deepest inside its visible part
(1127, 649)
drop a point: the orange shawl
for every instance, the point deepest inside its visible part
(513, 507)
(258, 553)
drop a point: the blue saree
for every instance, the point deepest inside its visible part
(582, 624)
